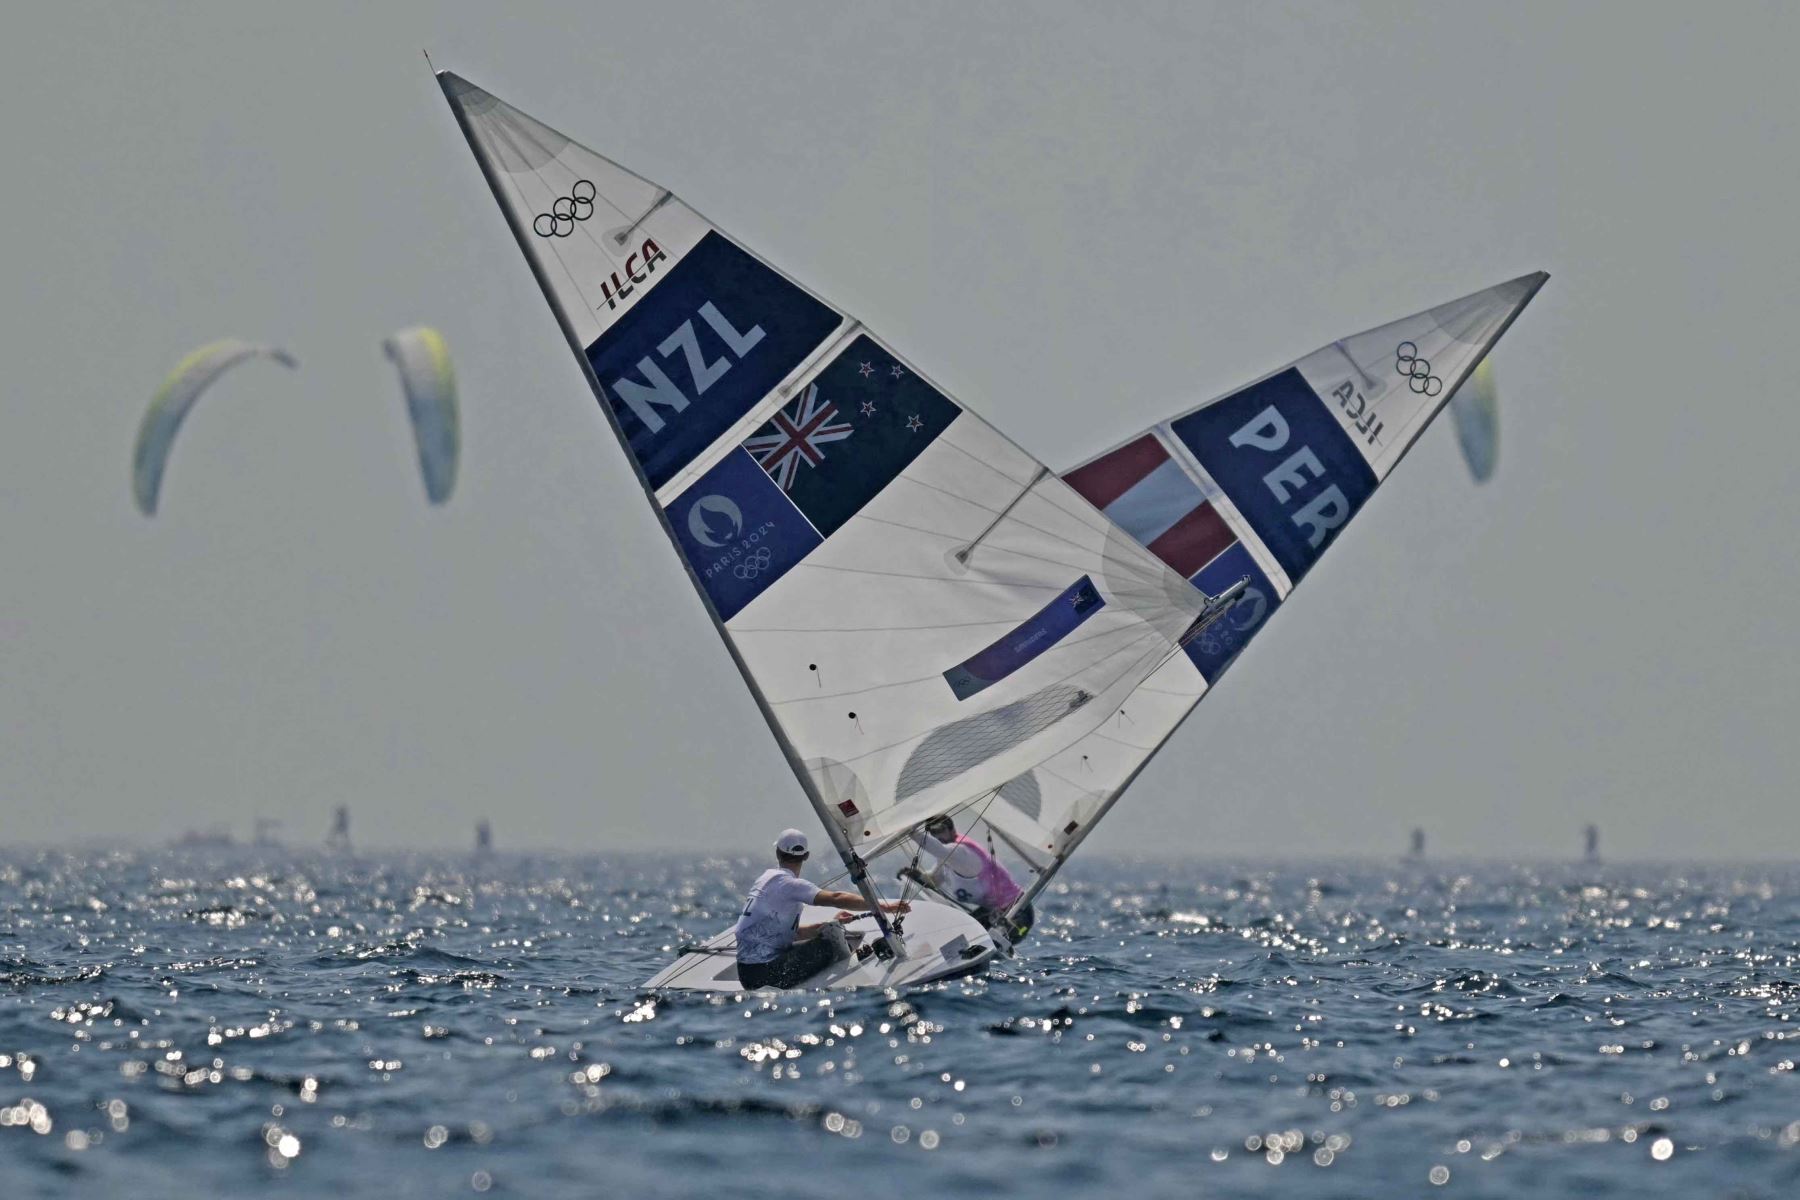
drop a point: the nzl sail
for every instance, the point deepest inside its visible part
(922, 610)
(1256, 483)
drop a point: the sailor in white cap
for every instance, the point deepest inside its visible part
(773, 948)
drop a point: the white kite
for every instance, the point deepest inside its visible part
(162, 420)
(430, 386)
(1476, 409)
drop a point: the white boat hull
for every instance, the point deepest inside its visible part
(942, 942)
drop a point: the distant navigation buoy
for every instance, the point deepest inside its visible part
(339, 837)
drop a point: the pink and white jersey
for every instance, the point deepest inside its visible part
(968, 873)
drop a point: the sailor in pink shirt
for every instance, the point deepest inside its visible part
(972, 877)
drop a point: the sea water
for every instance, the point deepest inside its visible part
(250, 1022)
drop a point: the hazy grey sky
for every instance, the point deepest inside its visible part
(1080, 219)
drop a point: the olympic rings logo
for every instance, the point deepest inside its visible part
(1417, 370)
(754, 564)
(1234, 630)
(560, 221)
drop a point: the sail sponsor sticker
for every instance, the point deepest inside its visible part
(700, 349)
(1285, 462)
(1214, 648)
(859, 423)
(739, 533)
(1042, 630)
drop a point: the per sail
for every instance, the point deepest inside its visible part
(922, 610)
(1256, 483)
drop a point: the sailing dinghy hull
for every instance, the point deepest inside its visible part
(941, 943)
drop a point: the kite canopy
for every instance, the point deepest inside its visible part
(184, 385)
(430, 386)
(1476, 408)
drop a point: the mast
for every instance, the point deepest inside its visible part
(858, 869)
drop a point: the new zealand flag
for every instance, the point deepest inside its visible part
(861, 422)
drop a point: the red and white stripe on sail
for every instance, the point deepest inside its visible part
(1146, 493)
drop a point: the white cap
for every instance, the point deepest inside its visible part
(792, 843)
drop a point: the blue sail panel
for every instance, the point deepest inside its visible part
(1285, 463)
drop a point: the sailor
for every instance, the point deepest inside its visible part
(972, 877)
(773, 948)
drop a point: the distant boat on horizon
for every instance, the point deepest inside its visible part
(339, 837)
(212, 837)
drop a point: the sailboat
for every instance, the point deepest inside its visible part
(931, 620)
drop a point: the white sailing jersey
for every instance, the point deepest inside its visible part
(771, 915)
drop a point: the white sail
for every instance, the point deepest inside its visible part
(1256, 484)
(921, 608)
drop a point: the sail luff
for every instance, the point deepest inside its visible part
(852, 862)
